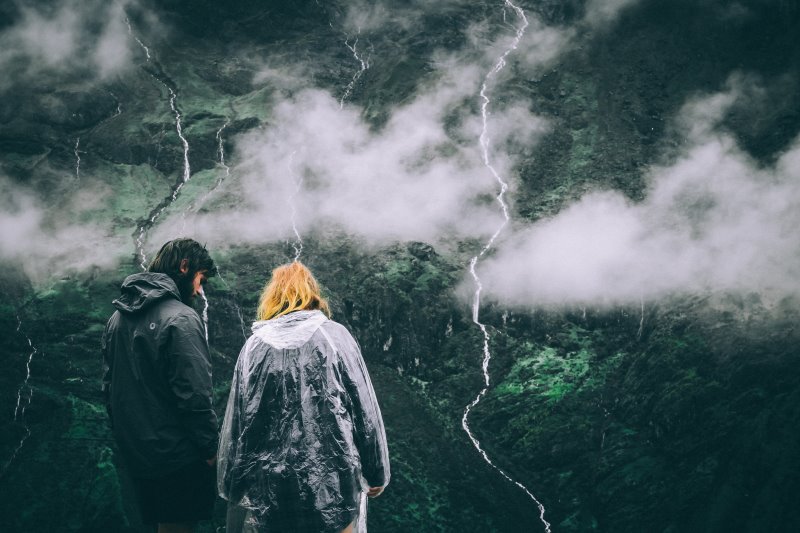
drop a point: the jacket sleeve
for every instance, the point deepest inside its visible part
(228, 451)
(189, 377)
(370, 435)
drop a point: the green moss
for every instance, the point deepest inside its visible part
(86, 419)
(254, 104)
(584, 147)
(548, 371)
(428, 497)
(127, 194)
(578, 522)
(66, 298)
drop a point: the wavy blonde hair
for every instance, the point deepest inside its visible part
(291, 288)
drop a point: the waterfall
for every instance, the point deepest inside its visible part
(485, 143)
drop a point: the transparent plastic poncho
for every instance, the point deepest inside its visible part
(303, 437)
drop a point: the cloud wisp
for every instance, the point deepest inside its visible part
(42, 240)
(84, 40)
(418, 177)
(712, 220)
(414, 179)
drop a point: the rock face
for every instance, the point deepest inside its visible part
(674, 413)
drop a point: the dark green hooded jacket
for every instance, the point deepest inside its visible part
(157, 378)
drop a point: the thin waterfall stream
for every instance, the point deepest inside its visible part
(485, 143)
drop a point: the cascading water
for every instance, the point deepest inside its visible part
(24, 397)
(118, 112)
(641, 320)
(226, 170)
(225, 175)
(221, 150)
(236, 306)
(186, 175)
(205, 311)
(130, 32)
(298, 182)
(364, 66)
(141, 230)
(179, 128)
(77, 159)
(485, 144)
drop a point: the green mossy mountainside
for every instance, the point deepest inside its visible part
(679, 414)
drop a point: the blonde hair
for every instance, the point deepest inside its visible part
(291, 288)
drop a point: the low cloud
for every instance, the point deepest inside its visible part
(316, 166)
(602, 12)
(541, 45)
(363, 16)
(713, 220)
(420, 177)
(42, 240)
(84, 40)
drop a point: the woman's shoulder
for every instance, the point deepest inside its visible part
(332, 326)
(338, 333)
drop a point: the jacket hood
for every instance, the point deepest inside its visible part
(140, 291)
(289, 331)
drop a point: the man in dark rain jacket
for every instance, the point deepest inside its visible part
(157, 385)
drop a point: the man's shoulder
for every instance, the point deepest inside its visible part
(171, 311)
(161, 315)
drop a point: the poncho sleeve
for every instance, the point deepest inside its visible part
(369, 432)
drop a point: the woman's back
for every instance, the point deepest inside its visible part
(302, 426)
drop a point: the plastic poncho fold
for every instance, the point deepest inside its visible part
(303, 436)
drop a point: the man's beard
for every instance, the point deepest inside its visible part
(185, 283)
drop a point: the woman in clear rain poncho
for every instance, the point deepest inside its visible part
(303, 442)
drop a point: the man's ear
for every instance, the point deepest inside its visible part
(184, 268)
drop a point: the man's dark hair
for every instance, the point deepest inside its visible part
(169, 257)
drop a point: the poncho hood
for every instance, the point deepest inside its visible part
(289, 331)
